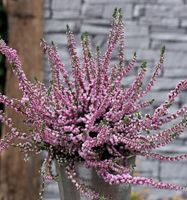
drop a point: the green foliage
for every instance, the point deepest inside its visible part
(102, 198)
(137, 196)
(144, 65)
(126, 119)
(152, 101)
(163, 50)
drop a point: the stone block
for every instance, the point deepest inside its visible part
(166, 30)
(159, 97)
(157, 10)
(175, 72)
(99, 40)
(180, 11)
(51, 191)
(127, 9)
(139, 10)
(53, 26)
(176, 59)
(66, 4)
(169, 10)
(89, 10)
(157, 194)
(59, 39)
(129, 54)
(47, 4)
(47, 14)
(164, 83)
(166, 10)
(169, 37)
(170, 46)
(136, 30)
(183, 137)
(127, 80)
(171, 22)
(175, 170)
(184, 23)
(119, 1)
(156, 44)
(175, 2)
(173, 109)
(97, 1)
(52, 198)
(147, 54)
(64, 54)
(129, 23)
(66, 14)
(159, 21)
(137, 42)
(178, 141)
(103, 22)
(147, 166)
(46, 64)
(173, 148)
(183, 97)
(177, 181)
(142, 54)
(47, 78)
(94, 29)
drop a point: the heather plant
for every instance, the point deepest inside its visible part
(87, 116)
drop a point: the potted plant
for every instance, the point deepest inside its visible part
(88, 123)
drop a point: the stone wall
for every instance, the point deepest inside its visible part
(149, 24)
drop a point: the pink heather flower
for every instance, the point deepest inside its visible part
(89, 117)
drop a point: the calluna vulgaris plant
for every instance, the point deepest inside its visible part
(90, 117)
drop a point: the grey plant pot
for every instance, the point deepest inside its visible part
(90, 178)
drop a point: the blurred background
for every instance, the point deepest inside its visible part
(149, 24)
(3, 33)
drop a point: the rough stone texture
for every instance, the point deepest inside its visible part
(158, 98)
(164, 83)
(175, 73)
(94, 29)
(139, 11)
(176, 59)
(169, 37)
(47, 4)
(66, 4)
(184, 23)
(177, 46)
(149, 24)
(51, 191)
(149, 167)
(93, 11)
(136, 30)
(158, 21)
(57, 26)
(59, 39)
(47, 14)
(142, 43)
(170, 171)
(170, 2)
(66, 14)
